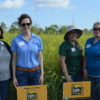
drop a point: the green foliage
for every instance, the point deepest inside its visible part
(53, 76)
(54, 29)
(3, 26)
(34, 29)
(14, 28)
(85, 30)
(63, 29)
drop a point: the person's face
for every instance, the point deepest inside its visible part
(25, 25)
(73, 35)
(96, 30)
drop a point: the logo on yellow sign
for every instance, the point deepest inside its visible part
(77, 89)
(31, 95)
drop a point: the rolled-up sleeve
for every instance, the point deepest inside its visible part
(40, 45)
(63, 50)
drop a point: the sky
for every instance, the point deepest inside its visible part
(81, 13)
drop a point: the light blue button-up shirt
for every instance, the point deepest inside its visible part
(27, 52)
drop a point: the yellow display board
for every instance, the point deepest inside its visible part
(77, 89)
(37, 92)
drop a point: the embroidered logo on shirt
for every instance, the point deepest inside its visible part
(21, 43)
(88, 45)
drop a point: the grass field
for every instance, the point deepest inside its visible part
(53, 76)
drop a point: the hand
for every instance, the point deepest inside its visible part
(85, 73)
(15, 83)
(41, 79)
(69, 79)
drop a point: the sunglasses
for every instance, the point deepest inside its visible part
(95, 29)
(24, 24)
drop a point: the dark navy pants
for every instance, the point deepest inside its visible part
(4, 85)
(76, 78)
(25, 78)
(95, 87)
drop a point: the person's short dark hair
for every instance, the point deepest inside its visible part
(1, 36)
(23, 16)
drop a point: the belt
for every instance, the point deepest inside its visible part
(28, 69)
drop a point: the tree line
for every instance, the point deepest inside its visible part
(52, 29)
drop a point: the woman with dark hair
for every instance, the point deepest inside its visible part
(5, 59)
(1, 33)
(27, 61)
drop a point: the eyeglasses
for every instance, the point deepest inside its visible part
(95, 29)
(24, 24)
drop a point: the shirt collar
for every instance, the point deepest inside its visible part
(33, 35)
(22, 37)
(93, 41)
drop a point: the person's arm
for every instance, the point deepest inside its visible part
(14, 59)
(41, 67)
(84, 68)
(64, 68)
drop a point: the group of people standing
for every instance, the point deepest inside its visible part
(71, 58)
(25, 56)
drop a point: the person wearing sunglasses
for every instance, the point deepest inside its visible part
(92, 61)
(5, 59)
(27, 60)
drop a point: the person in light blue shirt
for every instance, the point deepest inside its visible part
(92, 61)
(27, 61)
(27, 52)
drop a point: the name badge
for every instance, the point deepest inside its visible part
(1, 43)
(73, 49)
(88, 45)
(21, 43)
